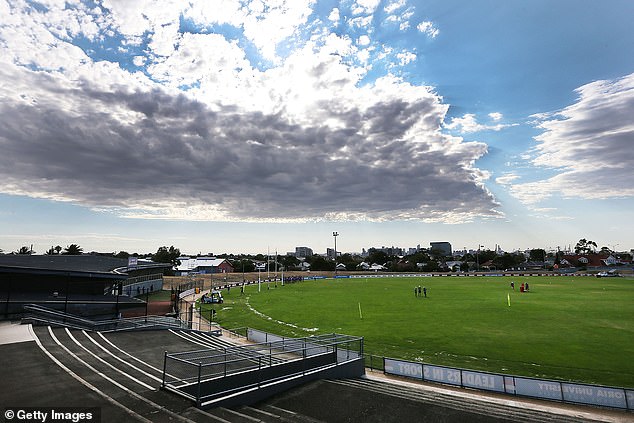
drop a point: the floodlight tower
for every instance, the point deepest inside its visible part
(335, 235)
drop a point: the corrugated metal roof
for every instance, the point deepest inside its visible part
(80, 263)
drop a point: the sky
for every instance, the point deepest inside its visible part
(247, 126)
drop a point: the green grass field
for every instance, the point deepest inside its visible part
(572, 328)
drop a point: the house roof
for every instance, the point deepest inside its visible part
(188, 264)
(593, 260)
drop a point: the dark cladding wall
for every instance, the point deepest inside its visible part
(48, 283)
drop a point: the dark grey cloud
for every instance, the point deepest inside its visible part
(151, 151)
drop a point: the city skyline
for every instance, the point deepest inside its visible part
(247, 126)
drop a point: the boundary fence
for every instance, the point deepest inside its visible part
(574, 393)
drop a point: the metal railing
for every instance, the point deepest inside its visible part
(39, 315)
(205, 375)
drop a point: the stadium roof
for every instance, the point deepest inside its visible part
(69, 263)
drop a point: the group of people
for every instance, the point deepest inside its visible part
(418, 291)
(523, 286)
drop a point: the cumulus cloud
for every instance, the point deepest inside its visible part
(428, 28)
(507, 179)
(393, 6)
(302, 140)
(398, 13)
(496, 116)
(588, 143)
(469, 124)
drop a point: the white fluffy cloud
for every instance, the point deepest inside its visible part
(202, 133)
(469, 124)
(589, 144)
(428, 28)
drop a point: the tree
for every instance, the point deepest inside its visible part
(585, 246)
(73, 250)
(53, 250)
(377, 256)
(538, 254)
(418, 257)
(243, 264)
(319, 263)
(431, 266)
(167, 255)
(486, 255)
(508, 261)
(24, 251)
(606, 251)
(122, 255)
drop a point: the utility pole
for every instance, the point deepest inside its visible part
(335, 235)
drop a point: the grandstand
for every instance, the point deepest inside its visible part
(126, 372)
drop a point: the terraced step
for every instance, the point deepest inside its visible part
(289, 416)
(500, 411)
(143, 404)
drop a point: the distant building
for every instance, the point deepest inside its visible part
(390, 251)
(303, 252)
(203, 265)
(588, 260)
(444, 247)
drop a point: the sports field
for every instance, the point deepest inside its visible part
(567, 328)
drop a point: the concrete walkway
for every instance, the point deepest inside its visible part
(11, 333)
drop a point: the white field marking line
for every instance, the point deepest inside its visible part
(259, 313)
(129, 391)
(129, 355)
(120, 360)
(85, 383)
(132, 378)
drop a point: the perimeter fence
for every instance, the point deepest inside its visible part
(575, 393)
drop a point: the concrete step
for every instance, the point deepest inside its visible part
(501, 411)
(153, 405)
(231, 415)
(288, 415)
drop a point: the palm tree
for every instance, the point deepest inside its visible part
(73, 250)
(24, 250)
(53, 250)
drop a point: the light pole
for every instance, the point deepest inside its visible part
(478, 257)
(335, 235)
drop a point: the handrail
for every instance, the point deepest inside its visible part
(44, 315)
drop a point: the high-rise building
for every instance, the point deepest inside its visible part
(303, 252)
(443, 247)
